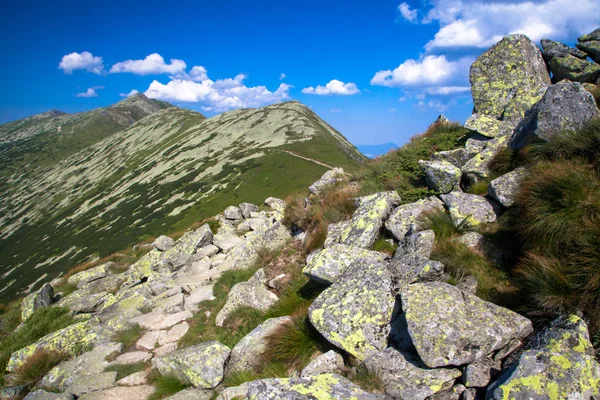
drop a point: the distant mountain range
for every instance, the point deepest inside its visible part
(376, 150)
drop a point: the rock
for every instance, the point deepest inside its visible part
(13, 392)
(505, 188)
(200, 366)
(329, 178)
(233, 213)
(329, 264)
(320, 387)
(165, 349)
(172, 319)
(186, 246)
(149, 320)
(469, 394)
(174, 334)
(192, 394)
(475, 145)
(565, 106)
(133, 357)
(480, 373)
(556, 49)
(416, 247)
(246, 354)
(90, 363)
(121, 392)
(560, 364)
(456, 157)
(206, 251)
(403, 220)
(367, 220)
(574, 69)
(163, 243)
(227, 241)
(334, 233)
(328, 363)
(468, 284)
(478, 167)
(472, 209)
(234, 393)
(92, 383)
(247, 208)
(590, 44)
(488, 126)
(84, 301)
(41, 394)
(411, 261)
(355, 312)
(273, 283)
(472, 239)
(276, 204)
(135, 379)
(441, 176)
(37, 300)
(451, 327)
(508, 79)
(203, 293)
(404, 376)
(81, 278)
(109, 284)
(252, 293)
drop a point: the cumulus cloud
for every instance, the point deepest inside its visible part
(334, 87)
(198, 73)
(407, 13)
(471, 23)
(154, 64)
(219, 95)
(133, 91)
(436, 105)
(431, 70)
(91, 92)
(84, 60)
(282, 76)
(447, 90)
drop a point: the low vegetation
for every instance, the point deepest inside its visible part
(367, 380)
(36, 366)
(124, 370)
(129, 337)
(165, 385)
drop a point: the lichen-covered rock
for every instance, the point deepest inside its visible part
(363, 229)
(334, 233)
(556, 49)
(590, 44)
(451, 327)
(247, 209)
(92, 383)
(468, 284)
(480, 373)
(403, 220)
(423, 270)
(246, 354)
(355, 312)
(192, 394)
(472, 239)
(505, 188)
(133, 357)
(456, 157)
(234, 393)
(226, 242)
(488, 126)
(508, 79)
(404, 376)
(565, 106)
(42, 298)
(41, 394)
(329, 264)
(320, 387)
(415, 247)
(81, 278)
(121, 392)
(84, 301)
(233, 213)
(329, 178)
(478, 167)
(327, 363)
(163, 243)
(13, 392)
(574, 69)
(109, 284)
(135, 379)
(472, 209)
(186, 246)
(559, 365)
(252, 293)
(201, 365)
(441, 176)
(275, 204)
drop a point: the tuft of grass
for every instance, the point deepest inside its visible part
(124, 370)
(271, 370)
(165, 385)
(129, 337)
(36, 366)
(442, 225)
(480, 187)
(367, 380)
(384, 246)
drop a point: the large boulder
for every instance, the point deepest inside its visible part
(201, 365)
(441, 176)
(404, 376)
(228, 241)
(505, 188)
(246, 355)
(556, 49)
(404, 219)
(253, 294)
(163, 243)
(355, 312)
(82, 278)
(559, 365)
(334, 233)
(508, 79)
(247, 209)
(565, 106)
(328, 179)
(320, 387)
(488, 126)
(84, 301)
(478, 167)
(330, 263)
(574, 69)
(469, 208)
(450, 327)
(456, 157)
(590, 44)
(367, 220)
(233, 213)
(42, 298)
(186, 246)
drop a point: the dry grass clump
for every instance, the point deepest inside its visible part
(36, 366)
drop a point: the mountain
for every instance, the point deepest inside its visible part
(376, 150)
(171, 168)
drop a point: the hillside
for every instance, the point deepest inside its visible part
(164, 172)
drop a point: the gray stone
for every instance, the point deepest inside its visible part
(456, 157)
(149, 340)
(488, 126)
(328, 363)
(327, 265)
(81, 278)
(192, 394)
(472, 239)
(451, 327)
(203, 293)
(133, 357)
(186, 246)
(404, 376)
(174, 334)
(201, 365)
(92, 383)
(41, 394)
(469, 208)
(234, 393)
(120, 393)
(275, 204)
(226, 242)
(478, 167)
(508, 79)
(334, 233)
(415, 247)
(233, 213)
(42, 298)
(84, 301)
(505, 188)
(355, 312)
(556, 49)
(480, 373)
(574, 69)
(206, 251)
(564, 106)
(329, 178)
(441, 176)
(247, 209)
(13, 392)
(590, 44)
(404, 219)
(163, 243)
(135, 379)
(468, 284)
(247, 353)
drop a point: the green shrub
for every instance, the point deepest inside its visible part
(165, 386)
(36, 366)
(129, 337)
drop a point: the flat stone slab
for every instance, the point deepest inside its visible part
(150, 339)
(174, 334)
(134, 357)
(92, 383)
(135, 379)
(120, 393)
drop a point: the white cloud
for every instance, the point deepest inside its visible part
(198, 73)
(431, 70)
(435, 105)
(472, 23)
(282, 76)
(133, 91)
(219, 95)
(407, 13)
(335, 110)
(153, 64)
(84, 60)
(447, 90)
(332, 88)
(91, 92)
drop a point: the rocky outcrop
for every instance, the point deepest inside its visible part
(556, 49)
(488, 126)
(404, 219)
(328, 179)
(469, 208)
(478, 167)
(441, 176)
(163, 243)
(590, 44)
(505, 188)
(574, 69)
(40, 299)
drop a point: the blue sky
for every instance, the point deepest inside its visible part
(378, 71)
